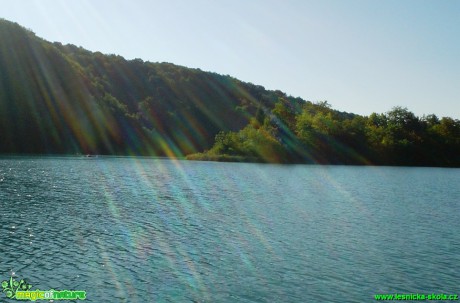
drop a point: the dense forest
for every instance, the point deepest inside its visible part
(58, 98)
(63, 99)
(314, 133)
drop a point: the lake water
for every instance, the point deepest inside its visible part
(157, 230)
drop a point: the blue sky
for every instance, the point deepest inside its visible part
(361, 56)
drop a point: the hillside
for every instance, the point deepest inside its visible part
(63, 99)
(58, 98)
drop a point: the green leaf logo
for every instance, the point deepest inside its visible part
(12, 286)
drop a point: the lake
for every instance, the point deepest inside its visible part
(157, 230)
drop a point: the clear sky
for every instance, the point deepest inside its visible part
(361, 56)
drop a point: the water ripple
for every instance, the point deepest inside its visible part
(148, 230)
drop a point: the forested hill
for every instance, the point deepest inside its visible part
(58, 98)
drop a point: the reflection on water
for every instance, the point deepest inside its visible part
(156, 230)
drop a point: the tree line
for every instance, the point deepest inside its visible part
(315, 133)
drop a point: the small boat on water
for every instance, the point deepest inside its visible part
(91, 156)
